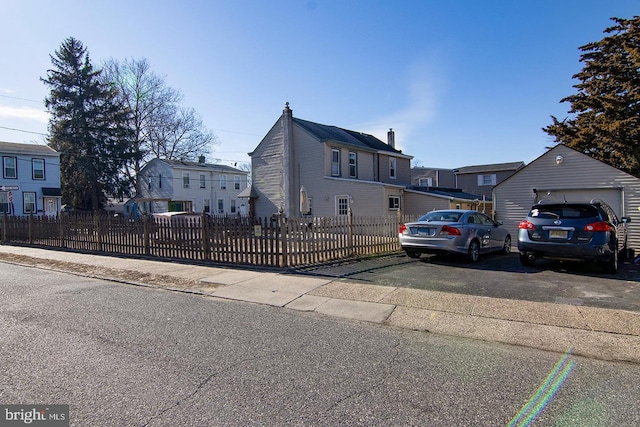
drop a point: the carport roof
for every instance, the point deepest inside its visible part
(449, 192)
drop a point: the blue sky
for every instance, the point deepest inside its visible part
(461, 82)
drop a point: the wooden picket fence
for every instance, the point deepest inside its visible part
(275, 241)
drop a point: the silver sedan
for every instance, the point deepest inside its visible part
(455, 231)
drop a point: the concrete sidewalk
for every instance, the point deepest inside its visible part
(592, 332)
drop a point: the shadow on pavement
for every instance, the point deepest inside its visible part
(627, 270)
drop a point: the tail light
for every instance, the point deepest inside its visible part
(450, 231)
(597, 226)
(403, 229)
(526, 225)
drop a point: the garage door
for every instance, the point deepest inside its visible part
(611, 196)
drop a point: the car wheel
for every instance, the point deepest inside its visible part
(612, 264)
(527, 260)
(473, 253)
(506, 249)
(624, 253)
(412, 253)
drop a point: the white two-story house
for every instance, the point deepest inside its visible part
(30, 181)
(183, 186)
(333, 170)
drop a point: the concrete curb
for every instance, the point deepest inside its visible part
(591, 332)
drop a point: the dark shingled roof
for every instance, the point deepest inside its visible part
(217, 167)
(19, 148)
(333, 133)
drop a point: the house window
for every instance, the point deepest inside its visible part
(236, 182)
(335, 162)
(394, 203)
(203, 181)
(223, 182)
(160, 181)
(9, 167)
(233, 206)
(175, 206)
(207, 206)
(486, 180)
(425, 182)
(37, 168)
(185, 180)
(392, 167)
(353, 165)
(29, 200)
(221, 206)
(342, 205)
(4, 201)
(149, 183)
(180, 206)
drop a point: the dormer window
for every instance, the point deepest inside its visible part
(10, 167)
(489, 179)
(353, 165)
(335, 162)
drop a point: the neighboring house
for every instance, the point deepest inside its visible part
(432, 177)
(175, 186)
(564, 174)
(481, 179)
(30, 181)
(333, 170)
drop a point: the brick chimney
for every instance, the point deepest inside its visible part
(391, 138)
(201, 159)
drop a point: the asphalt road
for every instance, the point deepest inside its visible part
(121, 355)
(499, 276)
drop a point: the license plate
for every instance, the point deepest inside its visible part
(425, 231)
(558, 234)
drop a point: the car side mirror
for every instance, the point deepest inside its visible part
(498, 223)
(625, 219)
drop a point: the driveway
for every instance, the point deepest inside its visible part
(499, 276)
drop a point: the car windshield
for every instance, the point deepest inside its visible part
(441, 216)
(564, 211)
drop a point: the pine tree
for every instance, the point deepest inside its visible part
(87, 126)
(605, 122)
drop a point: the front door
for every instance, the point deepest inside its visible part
(50, 206)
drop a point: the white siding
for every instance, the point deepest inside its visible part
(576, 176)
(173, 188)
(267, 172)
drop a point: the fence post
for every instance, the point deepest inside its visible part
(60, 229)
(206, 243)
(96, 228)
(350, 234)
(283, 228)
(4, 226)
(146, 231)
(30, 227)
(398, 224)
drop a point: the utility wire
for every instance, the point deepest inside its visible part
(21, 99)
(25, 131)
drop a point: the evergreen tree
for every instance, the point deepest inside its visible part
(605, 121)
(88, 127)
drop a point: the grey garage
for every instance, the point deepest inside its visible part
(564, 174)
